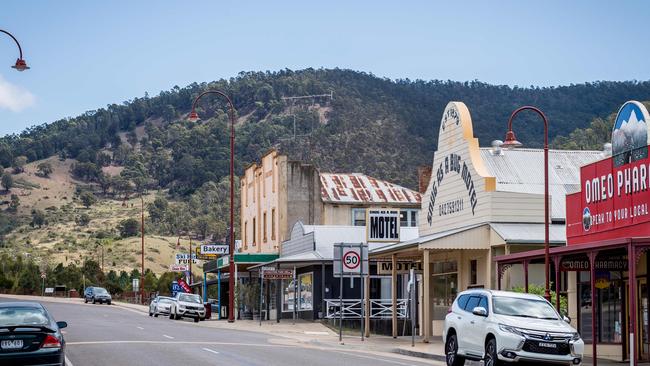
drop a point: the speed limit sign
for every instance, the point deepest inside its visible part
(352, 261)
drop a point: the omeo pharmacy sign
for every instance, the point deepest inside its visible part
(615, 192)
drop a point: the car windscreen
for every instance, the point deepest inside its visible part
(101, 291)
(190, 298)
(22, 316)
(525, 308)
(164, 301)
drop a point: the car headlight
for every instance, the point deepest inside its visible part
(510, 329)
(576, 337)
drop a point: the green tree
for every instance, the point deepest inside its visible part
(7, 181)
(83, 219)
(45, 169)
(158, 208)
(88, 199)
(129, 227)
(19, 164)
(38, 218)
(15, 203)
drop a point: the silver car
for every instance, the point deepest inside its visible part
(160, 305)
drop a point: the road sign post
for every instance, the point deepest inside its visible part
(261, 292)
(350, 260)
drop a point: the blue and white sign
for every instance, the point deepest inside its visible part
(176, 288)
(630, 134)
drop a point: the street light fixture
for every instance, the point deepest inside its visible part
(193, 117)
(20, 65)
(512, 142)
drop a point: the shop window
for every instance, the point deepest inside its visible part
(609, 316)
(254, 232)
(445, 288)
(272, 224)
(264, 223)
(359, 216)
(473, 264)
(300, 291)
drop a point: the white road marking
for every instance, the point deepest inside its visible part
(212, 351)
(166, 336)
(207, 343)
(140, 328)
(316, 333)
(67, 361)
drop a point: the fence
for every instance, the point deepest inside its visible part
(379, 308)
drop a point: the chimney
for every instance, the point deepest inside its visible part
(424, 176)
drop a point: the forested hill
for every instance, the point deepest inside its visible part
(372, 125)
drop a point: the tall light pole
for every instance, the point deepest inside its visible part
(511, 142)
(178, 244)
(142, 253)
(20, 64)
(193, 117)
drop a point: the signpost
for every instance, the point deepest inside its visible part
(43, 275)
(178, 267)
(350, 260)
(216, 249)
(184, 258)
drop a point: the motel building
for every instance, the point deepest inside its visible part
(604, 266)
(483, 203)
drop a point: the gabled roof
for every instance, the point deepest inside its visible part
(359, 188)
(522, 171)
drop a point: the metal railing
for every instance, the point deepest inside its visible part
(379, 308)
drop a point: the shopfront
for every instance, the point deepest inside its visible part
(604, 267)
(483, 202)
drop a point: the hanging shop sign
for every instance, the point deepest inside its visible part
(615, 192)
(178, 267)
(610, 263)
(278, 274)
(184, 258)
(205, 257)
(214, 249)
(386, 268)
(382, 225)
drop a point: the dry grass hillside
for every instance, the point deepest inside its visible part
(62, 240)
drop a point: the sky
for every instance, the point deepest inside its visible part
(87, 54)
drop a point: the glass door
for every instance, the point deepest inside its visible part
(642, 303)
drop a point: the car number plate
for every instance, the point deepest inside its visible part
(547, 345)
(12, 344)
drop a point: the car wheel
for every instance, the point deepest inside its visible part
(85, 300)
(178, 317)
(108, 303)
(150, 313)
(196, 320)
(94, 301)
(155, 315)
(451, 352)
(171, 316)
(491, 358)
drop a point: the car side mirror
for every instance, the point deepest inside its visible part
(479, 311)
(566, 319)
(62, 325)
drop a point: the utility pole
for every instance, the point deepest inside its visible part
(142, 237)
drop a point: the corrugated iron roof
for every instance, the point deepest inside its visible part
(360, 188)
(524, 233)
(522, 171)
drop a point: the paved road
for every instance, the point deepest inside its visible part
(99, 335)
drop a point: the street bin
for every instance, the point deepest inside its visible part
(208, 310)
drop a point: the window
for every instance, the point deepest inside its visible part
(300, 292)
(472, 303)
(445, 287)
(254, 231)
(484, 304)
(264, 223)
(359, 216)
(473, 264)
(462, 301)
(408, 218)
(245, 234)
(272, 224)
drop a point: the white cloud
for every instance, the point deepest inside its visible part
(13, 97)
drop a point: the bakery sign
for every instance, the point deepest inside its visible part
(615, 192)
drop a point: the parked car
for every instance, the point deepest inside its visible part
(499, 327)
(188, 306)
(160, 305)
(29, 335)
(97, 295)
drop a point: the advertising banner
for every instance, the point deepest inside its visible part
(215, 249)
(178, 267)
(176, 288)
(184, 258)
(184, 285)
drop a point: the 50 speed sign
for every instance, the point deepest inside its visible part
(350, 259)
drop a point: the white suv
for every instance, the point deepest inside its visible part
(499, 327)
(188, 306)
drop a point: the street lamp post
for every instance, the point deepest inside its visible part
(20, 64)
(142, 253)
(102, 245)
(193, 117)
(511, 142)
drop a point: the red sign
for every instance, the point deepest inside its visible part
(184, 285)
(613, 202)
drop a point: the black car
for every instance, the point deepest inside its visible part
(97, 295)
(29, 335)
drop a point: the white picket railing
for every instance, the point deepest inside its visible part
(379, 308)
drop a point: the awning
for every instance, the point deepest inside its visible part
(240, 259)
(469, 237)
(527, 233)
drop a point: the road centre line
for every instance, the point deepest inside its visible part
(166, 336)
(89, 343)
(140, 328)
(211, 351)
